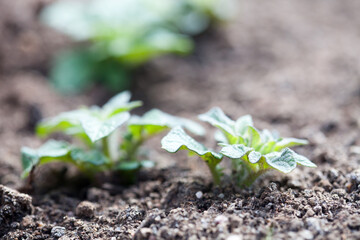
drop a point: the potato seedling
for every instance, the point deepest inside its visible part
(105, 145)
(251, 151)
(177, 140)
(120, 35)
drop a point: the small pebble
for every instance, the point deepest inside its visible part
(333, 174)
(355, 150)
(145, 233)
(85, 209)
(28, 222)
(204, 223)
(295, 183)
(199, 194)
(312, 201)
(310, 213)
(193, 237)
(15, 225)
(64, 238)
(295, 225)
(221, 195)
(354, 222)
(355, 176)
(221, 219)
(313, 224)
(325, 184)
(340, 192)
(234, 237)
(58, 232)
(306, 234)
(317, 209)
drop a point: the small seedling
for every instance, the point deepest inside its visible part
(251, 151)
(105, 145)
(177, 140)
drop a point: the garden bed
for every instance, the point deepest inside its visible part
(293, 66)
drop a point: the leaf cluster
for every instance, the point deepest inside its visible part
(110, 138)
(252, 152)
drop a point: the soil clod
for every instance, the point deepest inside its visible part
(13, 207)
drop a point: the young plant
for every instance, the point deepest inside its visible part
(92, 126)
(251, 151)
(115, 37)
(99, 131)
(177, 140)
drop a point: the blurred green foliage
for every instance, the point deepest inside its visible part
(120, 35)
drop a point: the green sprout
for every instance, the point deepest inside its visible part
(177, 140)
(252, 152)
(110, 138)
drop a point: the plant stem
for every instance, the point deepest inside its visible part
(215, 174)
(132, 150)
(252, 177)
(105, 146)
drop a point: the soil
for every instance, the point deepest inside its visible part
(293, 65)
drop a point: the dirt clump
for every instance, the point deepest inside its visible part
(13, 207)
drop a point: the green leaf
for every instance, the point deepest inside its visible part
(97, 129)
(69, 18)
(156, 121)
(217, 118)
(254, 156)
(267, 136)
(54, 148)
(145, 131)
(120, 103)
(120, 109)
(87, 161)
(301, 160)
(220, 137)
(92, 157)
(286, 160)
(68, 121)
(289, 142)
(177, 140)
(252, 137)
(91, 124)
(282, 161)
(147, 164)
(235, 151)
(267, 147)
(72, 71)
(29, 159)
(242, 124)
(135, 165)
(120, 99)
(50, 151)
(129, 166)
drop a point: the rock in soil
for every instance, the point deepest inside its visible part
(85, 209)
(58, 232)
(13, 207)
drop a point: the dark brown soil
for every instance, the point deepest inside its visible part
(293, 65)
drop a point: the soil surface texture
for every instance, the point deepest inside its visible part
(293, 65)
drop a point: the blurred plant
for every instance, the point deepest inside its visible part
(124, 34)
(251, 151)
(104, 146)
